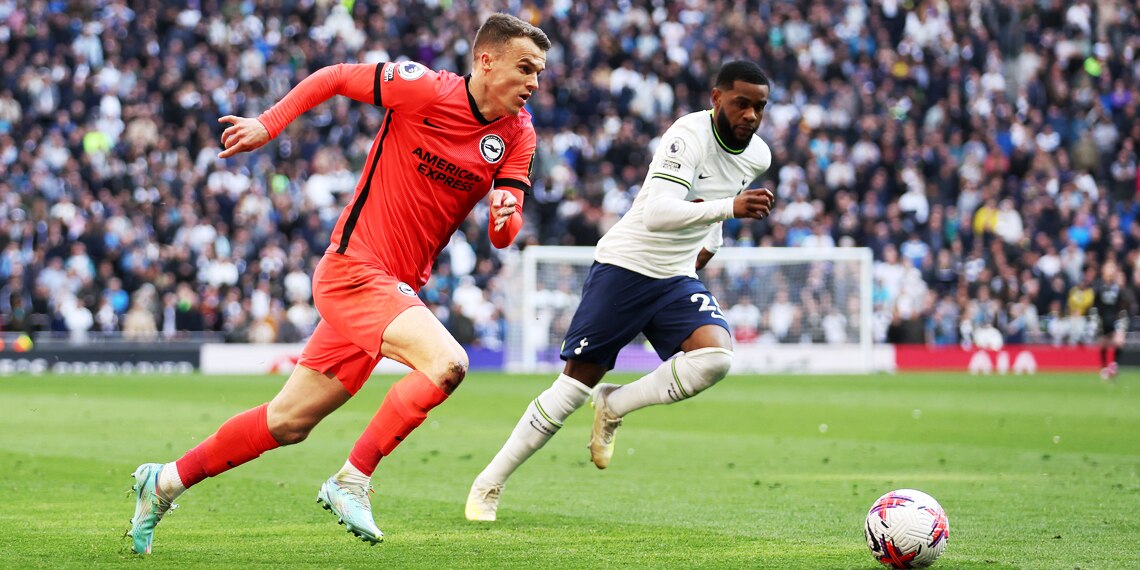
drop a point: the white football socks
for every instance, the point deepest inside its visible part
(350, 474)
(169, 485)
(542, 419)
(682, 377)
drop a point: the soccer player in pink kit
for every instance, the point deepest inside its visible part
(445, 142)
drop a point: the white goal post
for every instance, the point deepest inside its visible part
(791, 309)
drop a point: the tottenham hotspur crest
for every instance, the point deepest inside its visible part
(492, 148)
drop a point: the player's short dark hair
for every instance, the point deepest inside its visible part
(734, 71)
(501, 28)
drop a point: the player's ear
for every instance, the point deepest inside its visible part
(716, 95)
(495, 53)
(483, 60)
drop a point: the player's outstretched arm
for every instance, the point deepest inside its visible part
(243, 135)
(356, 81)
(667, 208)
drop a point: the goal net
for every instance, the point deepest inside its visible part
(790, 309)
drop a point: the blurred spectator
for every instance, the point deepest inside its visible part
(782, 319)
(1008, 225)
(77, 318)
(744, 317)
(139, 323)
(927, 133)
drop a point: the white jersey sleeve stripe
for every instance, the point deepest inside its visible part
(688, 185)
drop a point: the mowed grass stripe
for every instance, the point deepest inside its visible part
(740, 477)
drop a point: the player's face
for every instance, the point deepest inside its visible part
(738, 111)
(512, 75)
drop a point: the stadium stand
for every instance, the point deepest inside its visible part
(985, 151)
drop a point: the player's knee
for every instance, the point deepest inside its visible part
(449, 369)
(456, 372)
(288, 430)
(707, 366)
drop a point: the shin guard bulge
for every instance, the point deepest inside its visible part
(240, 439)
(404, 408)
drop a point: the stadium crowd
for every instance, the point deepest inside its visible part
(985, 151)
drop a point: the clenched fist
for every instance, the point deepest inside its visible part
(755, 204)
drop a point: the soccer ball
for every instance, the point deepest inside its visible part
(907, 529)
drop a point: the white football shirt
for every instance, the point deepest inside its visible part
(691, 155)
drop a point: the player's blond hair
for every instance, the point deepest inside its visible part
(501, 28)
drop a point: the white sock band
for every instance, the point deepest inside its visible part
(697, 370)
(541, 420)
(170, 485)
(350, 474)
(677, 379)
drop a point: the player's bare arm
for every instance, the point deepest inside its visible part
(243, 135)
(712, 244)
(703, 258)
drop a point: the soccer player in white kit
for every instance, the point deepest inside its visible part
(644, 280)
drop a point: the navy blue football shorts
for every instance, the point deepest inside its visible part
(617, 304)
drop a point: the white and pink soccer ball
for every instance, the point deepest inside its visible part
(907, 529)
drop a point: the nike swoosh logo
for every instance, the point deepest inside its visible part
(703, 176)
(426, 122)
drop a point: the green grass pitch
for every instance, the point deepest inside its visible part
(759, 472)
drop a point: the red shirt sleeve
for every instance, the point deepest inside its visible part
(506, 235)
(514, 177)
(515, 171)
(358, 81)
(407, 86)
